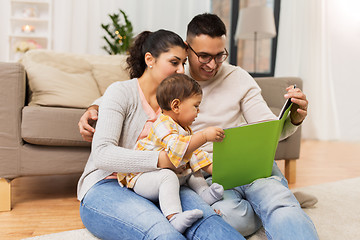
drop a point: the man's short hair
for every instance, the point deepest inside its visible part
(177, 86)
(207, 24)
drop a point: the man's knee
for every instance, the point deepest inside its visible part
(239, 214)
(270, 194)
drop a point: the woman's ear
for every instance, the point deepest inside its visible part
(175, 104)
(149, 59)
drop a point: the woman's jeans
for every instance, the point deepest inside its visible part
(267, 202)
(110, 211)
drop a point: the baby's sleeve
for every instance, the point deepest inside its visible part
(199, 160)
(175, 146)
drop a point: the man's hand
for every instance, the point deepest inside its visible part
(86, 120)
(213, 134)
(300, 106)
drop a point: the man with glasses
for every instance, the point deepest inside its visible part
(229, 95)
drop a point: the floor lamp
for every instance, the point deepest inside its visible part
(255, 23)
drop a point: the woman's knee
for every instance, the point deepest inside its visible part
(108, 211)
(98, 223)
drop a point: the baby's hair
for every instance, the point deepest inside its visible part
(176, 86)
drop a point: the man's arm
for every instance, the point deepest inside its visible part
(87, 119)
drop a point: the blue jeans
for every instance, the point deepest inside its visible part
(267, 202)
(109, 211)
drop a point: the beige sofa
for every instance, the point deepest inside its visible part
(40, 108)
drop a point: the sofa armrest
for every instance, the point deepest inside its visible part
(12, 99)
(274, 88)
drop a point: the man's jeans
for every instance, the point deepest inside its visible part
(267, 202)
(110, 211)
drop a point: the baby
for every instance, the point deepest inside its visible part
(179, 97)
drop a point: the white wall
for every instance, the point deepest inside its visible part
(76, 24)
(344, 26)
(319, 41)
(4, 29)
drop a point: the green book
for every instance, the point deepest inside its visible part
(248, 151)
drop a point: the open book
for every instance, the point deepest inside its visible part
(247, 152)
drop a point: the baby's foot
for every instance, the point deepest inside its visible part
(212, 194)
(183, 220)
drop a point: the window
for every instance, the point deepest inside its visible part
(242, 52)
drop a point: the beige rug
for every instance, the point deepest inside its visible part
(336, 215)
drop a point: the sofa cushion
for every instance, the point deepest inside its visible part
(51, 126)
(108, 69)
(59, 79)
(71, 80)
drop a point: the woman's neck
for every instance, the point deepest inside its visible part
(148, 87)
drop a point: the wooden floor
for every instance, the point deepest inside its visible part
(43, 205)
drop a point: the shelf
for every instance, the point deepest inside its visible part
(31, 1)
(19, 19)
(37, 14)
(28, 36)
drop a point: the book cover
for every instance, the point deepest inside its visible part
(247, 152)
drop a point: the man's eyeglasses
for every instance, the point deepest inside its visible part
(206, 58)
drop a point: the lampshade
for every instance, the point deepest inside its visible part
(259, 20)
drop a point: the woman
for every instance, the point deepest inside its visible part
(126, 114)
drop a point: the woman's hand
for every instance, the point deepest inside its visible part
(300, 106)
(213, 134)
(85, 122)
(208, 169)
(164, 161)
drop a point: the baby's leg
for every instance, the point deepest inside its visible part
(182, 221)
(163, 185)
(210, 194)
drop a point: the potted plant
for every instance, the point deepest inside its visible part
(119, 33)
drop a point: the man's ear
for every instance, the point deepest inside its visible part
(149, 59)
(187, 45)
(175, 104)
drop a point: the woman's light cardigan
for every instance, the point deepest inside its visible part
(121, 119)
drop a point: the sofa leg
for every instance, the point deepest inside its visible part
(290, 170)
(5, 195)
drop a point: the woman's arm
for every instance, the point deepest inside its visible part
(164, 161)
(113, 143)
(208, 168)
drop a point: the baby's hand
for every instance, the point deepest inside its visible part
(213, 134)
